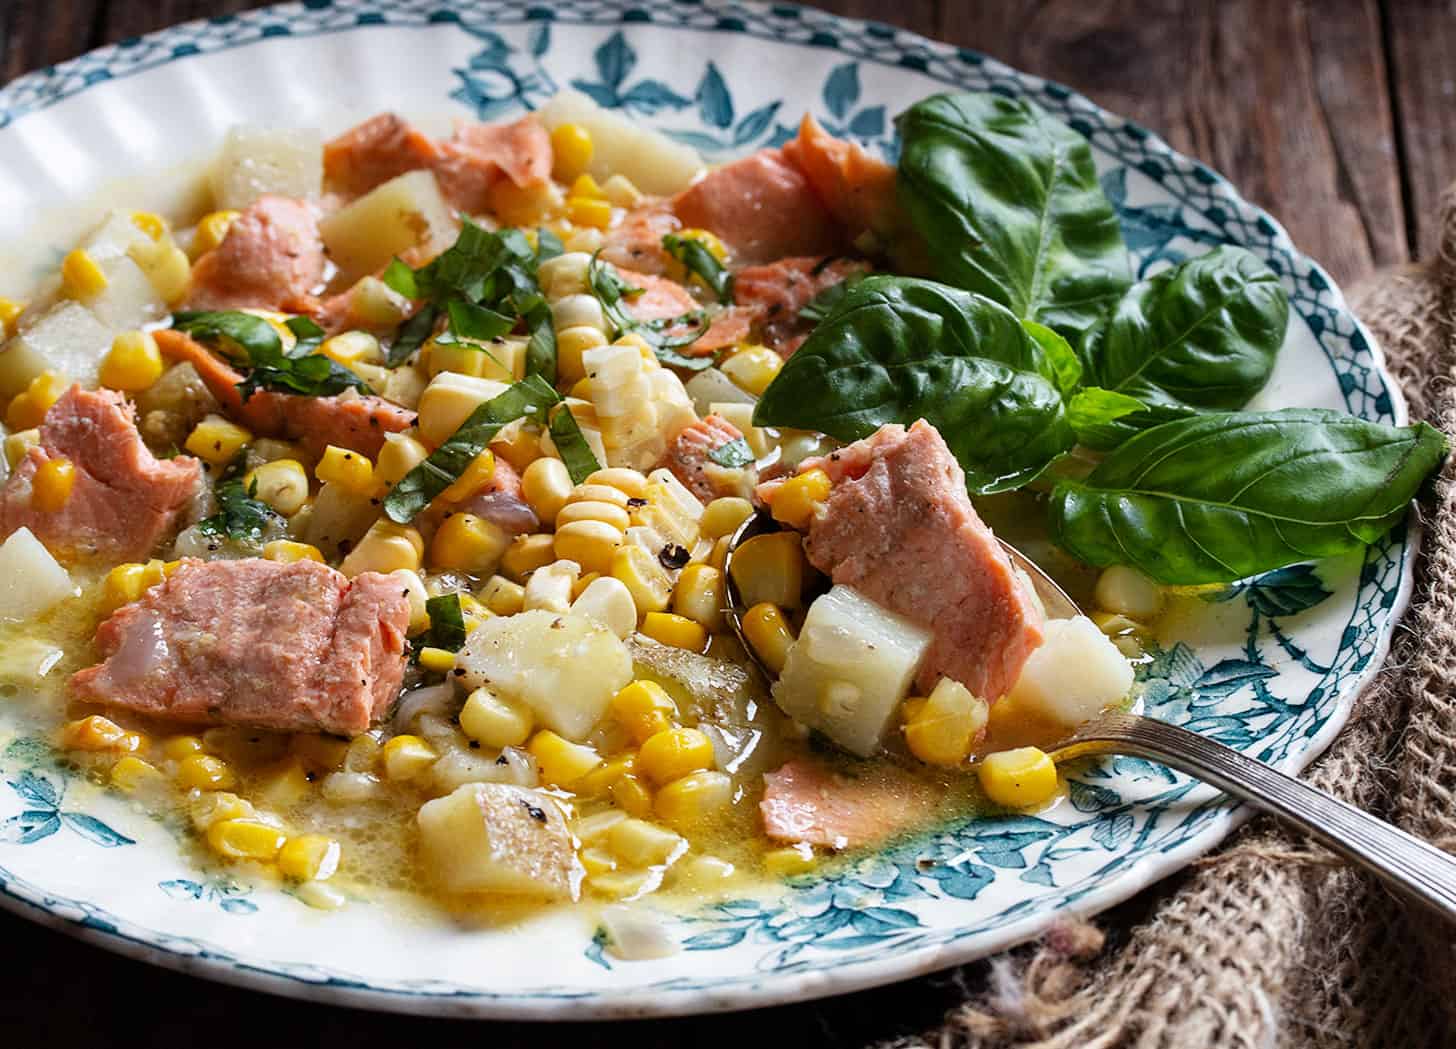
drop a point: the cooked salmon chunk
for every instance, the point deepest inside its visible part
(272, 258)
(293, 647)
(370, 154)
(807, 801)
(856, 188)
(663, 299)
(772, 295)
(687, 457)
(123, 500)
(899, 527)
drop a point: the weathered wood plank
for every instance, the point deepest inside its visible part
(1422, 41)
(121, 20)
(36, 34)
(1287, 100)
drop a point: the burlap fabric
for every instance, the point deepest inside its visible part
(1269, 941)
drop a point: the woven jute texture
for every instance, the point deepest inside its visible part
(1269, 941)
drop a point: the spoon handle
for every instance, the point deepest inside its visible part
(1409, 865)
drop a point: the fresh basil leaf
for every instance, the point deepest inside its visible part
(261, 348)
(400, 278)
(610, 290)
(548, 245)
(239, 515)
(897, 349)
(581, 461)
(412, 335)
(447, 622)
(1059, 354)
(1204, 333)
(1218, 497)
(306, 332)
(242, 336)
(531, 397)
(541, 347)
(822, 304)
(476, 323)
(1092, 410)
(732, 454)
(1008, 203)
(697, 259)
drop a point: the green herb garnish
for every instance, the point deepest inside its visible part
(698, 260)
(612, 291)
(239, 515)
(581, 461)
(447, 623)
(256, 345)
(732, 454)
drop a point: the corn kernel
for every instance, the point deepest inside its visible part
(633, 796)
(212, 230)
(797, 500)
(600, 780)
(10, 312)
(643, 576)
(166, 265)
(768, 631)
(571, 151)
(96, 733)
(472, 479)
(205, 808)
(205, 772)
(124, 584)
(179, 747)
(599, 492)
(591, 544)
(28, 408)
(704, 871)
(245, 840)
(1018, 778)
(495, 722)
(753, 368)
(309, 857)
(790, 860)
(437, 660)
(723, 516)
(281, 785)
(708, 239)
(562, 762)
(81, 277)
(320, 753)
(622, 885)
(571, 343)
(132, 774)
(50, 488)
(288, 551)
(675, 630)
(468, 543)
(407, 757)
(348, 469)
(622, 191)
(632, 484)
(590, 510)
(674, 753)
(641, 844)
(526, 554)
(694, 797)
(588, 212)
(585, 187)
(133, 363)
(770, 568)
(597, 861)
(217, 440)
(150, 223)
(401, 454)
(18, 446)
(352, 347)
(644, 708)
(502, 596)
(282, 484)
(386, 547)
(941, 730)
(699, 596)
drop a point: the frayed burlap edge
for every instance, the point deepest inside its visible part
(1267, 942)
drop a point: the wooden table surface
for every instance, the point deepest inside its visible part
(1336, 116)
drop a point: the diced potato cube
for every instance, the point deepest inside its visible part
(255, 161)
(653, 162)
(565, 667)
(710, 387)
(404, 213)
(1075, 673)
(851, 666)
(129, 299)
(31, 580)
(68, 339)
(448, 401)
(493, 837)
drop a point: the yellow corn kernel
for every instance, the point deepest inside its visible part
(674, 753)
(675, 630)
(28, 408)
(150, 223)
(798, 499)
(352, 347)
(282, 785)
(96, 733)
(212, 230)
(179, 747)
(941, 730)
(599, 781)
(644, 708)
(588, 212)
(502, 596)
(437, 660)
(571, 343)
(528, 553)
(166, 265)
(571, 151)
(10, 312)
(694, 796)
(288, 551)
(132, 364)
(468, 543)
(81, 277)
(401, 454)
(309, 857)
(769, 633)
(632, 795)
(708, 239)
(124, 584)
(386, 547)
(1018, 778)
(562, 762)
(245, 840)
(631, 483)
(597, 861)
(598, 492)
(639, 843)
(320, 753)
(723, 516)
(18, 445)
(407, 757)
(591, 544)
(622, 191)
(752, 368)
(643, 576)
(50, 488)
(495, 722)
(217, 440)
(474, 477)
(131, 774)
(204, 772)
(698, 595)
(790, 860)
(205, 808)
(546, 485)
(621, 885)
(770, 568)
(346, 468)
(282, 484)
(585, 187)
(593, 511)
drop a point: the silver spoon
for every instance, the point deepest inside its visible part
(1408, 865)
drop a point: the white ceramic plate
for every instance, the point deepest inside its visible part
(1271, 668)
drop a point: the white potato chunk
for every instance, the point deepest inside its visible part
(68, 338)
(31, 580)
(337, 518)
(565, 667)
(850, 668)
(129, 299)
(448, 401)
(115, 237)
(1075, 674)
(256, 161)
(655, 163)
(607, 601)
(403, 213)
(493, 837)
(710, 387)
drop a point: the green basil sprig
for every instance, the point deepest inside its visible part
(697, 259)
(259, 348)
(897, 349)
(1217, 497)
(613, 292)
(447, 623)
